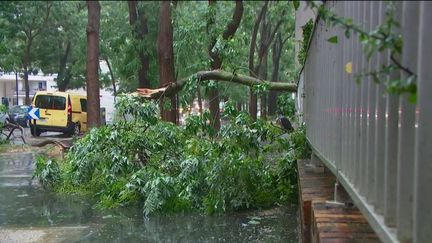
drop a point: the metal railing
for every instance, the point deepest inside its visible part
(31, 92)
(379, 145)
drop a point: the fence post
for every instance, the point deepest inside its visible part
(380, 128)
(405, 178)
(423, 145)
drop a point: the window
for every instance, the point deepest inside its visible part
(50, 102)
(42, 85)
(83, 105)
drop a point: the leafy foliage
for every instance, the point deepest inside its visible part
(286, 105)
(307, 32)
(385, 37)
(47, 171)
(168, 168)
(3, 108)
(300, 145)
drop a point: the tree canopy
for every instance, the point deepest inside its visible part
(51, 37)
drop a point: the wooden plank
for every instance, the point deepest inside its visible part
(321, 223)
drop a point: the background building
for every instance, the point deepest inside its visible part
(41, 82)
(16, 95)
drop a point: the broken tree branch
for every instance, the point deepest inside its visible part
(217, 75)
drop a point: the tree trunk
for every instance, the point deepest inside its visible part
(263, 61)
(26, 64)
(214, 101)
(27, 87)
(263, 76)
(140, 30)
(253, 97)
(216, 61)
(62, 79)
(200, 105)
(133, 15)
(277, 51)
(166, 58)
(112, 78)
(239, 106)
(92, 72)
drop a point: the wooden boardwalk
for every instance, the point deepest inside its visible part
(322, 222)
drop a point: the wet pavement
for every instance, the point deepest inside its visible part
(30, 214)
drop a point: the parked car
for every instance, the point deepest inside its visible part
(60, 112)
(18, 115)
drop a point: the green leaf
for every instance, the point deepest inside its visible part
(363, 38)
(347, 33)
(412, 98)
(253, 222)
(358, 78)
(333, 39)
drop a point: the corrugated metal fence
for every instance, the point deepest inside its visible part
(379, 145)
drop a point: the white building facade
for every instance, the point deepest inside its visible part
(12, 86)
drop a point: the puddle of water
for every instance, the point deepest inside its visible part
(29, 214)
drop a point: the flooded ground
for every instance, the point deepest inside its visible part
(29, 214)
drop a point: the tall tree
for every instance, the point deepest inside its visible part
(62, 50)
(113, 81)
(92, 72)
(216, 60)
(253, 109)
(25, 20)
(215, 63)
(140, 30)
(267, 37)
(166, 59)
(276, 55)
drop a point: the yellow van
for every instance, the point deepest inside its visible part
(60, 112)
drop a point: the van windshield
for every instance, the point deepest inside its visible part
(50, 102)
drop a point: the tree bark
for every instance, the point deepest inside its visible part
(266, 44)
(62, 78)
(216, 61)
(27, 87)
(277, 51)
(263, 61)
(166, 59)
(92, 72)
(26, 64)
(217, 75)
(263, 76)
(133, 15)
(200, 105)
(239, 106)
(140, 30)
(253, 97)
(235, 21)
(260, 68)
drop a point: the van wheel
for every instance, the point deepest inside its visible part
(37, 134)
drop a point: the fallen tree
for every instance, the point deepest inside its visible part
(217, 75)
